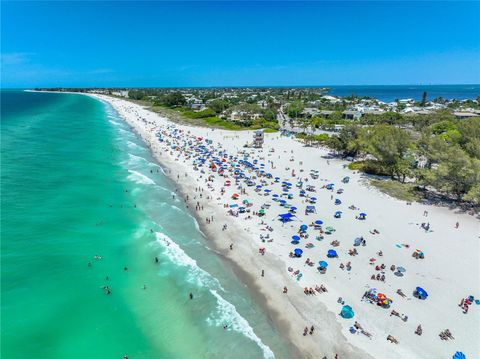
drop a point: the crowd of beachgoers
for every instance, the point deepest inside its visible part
(399, 279)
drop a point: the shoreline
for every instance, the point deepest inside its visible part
(262, 294)
(289, 312)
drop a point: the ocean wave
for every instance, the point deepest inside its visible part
(139, 178)
(133, 145)
(137, 160)
(115, 123)
(226, 314)
(177, 255)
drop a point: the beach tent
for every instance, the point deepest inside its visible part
(332, 253)
(298, 252)
(421, 293)
(323, 264)
(347, 312)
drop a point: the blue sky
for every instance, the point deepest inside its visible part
(239, 44)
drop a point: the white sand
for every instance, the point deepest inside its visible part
(449, 272)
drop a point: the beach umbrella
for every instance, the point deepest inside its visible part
(401, 269)
(422, 293)
(296, 238)
(319, 222)
(298, 252)
(262, 211)
(347, 312)
(381, 296)
(233, 205)
(331, 253)
(323, 264)
(459, 355)
(267, 190)
(303, 227)
(329, 229)
(363, 214)
(275, 195)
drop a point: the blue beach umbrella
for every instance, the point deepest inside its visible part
(422, 293)
(296, 238)
(347, 312)
(323, 264)
(459, 355)
(303, 227)
(331, 253)
(298, 252)
(401, 269)
(319, 222)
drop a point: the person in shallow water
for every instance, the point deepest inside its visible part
(190, 295)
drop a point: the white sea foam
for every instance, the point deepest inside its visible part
(177, 255)
(137, 160)
(132, 145)
(226, 314)
(115, 123)
(139, 178)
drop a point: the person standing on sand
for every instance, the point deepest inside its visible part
(456, 225)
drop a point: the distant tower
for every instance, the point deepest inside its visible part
(258, 139)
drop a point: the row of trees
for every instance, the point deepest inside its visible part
(444, 155)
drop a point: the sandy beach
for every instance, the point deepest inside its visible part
(446, 262)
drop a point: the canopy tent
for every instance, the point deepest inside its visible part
(310, 209)
(347, 312)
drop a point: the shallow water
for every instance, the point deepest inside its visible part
(76, 182)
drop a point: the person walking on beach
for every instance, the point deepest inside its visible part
(457, 225)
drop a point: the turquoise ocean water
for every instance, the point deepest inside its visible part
(77, 183)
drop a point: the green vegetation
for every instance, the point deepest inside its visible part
(404, 191)
(443, 155)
